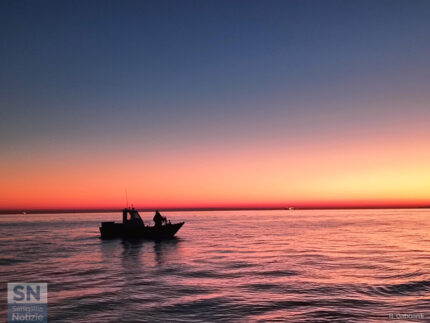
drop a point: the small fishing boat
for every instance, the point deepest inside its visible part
(132, 226)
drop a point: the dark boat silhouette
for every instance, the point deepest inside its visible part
(132, 226)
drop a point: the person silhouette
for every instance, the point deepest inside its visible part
(158, 219)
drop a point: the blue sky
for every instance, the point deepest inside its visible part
(152, 75)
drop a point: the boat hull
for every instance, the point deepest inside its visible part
(110, 230)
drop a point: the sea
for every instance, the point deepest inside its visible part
(227, 266)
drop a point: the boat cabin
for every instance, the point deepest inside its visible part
(131, 216)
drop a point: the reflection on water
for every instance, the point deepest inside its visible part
(131, 256)
(164, 249)
(227, 266)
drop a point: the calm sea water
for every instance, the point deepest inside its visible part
(344, 265)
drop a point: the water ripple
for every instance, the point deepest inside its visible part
(256, 266)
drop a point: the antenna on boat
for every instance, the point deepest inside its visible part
(126, 198)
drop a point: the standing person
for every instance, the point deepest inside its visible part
(158, 219)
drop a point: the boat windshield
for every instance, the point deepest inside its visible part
(131, 216)
(134, 215)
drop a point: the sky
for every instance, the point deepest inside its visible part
(188, 104)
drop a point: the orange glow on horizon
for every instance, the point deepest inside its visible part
(327, 174)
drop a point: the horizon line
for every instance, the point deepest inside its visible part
(208, 209)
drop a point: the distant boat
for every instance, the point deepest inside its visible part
(132, 226)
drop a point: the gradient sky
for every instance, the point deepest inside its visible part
(214, 103)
